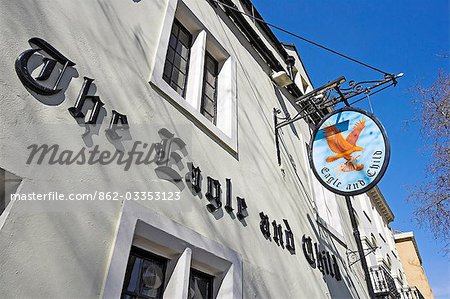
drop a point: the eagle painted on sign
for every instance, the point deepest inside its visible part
(344, 148)
(349, 151)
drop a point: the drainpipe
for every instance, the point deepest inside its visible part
(362, 256)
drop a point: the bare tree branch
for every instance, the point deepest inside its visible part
(432, 197)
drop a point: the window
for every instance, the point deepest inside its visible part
(8, 185)
(393, 253)
(367, 216)
(144, 276)
(400, 276)
(177, 58)
(374, 241)
(209, 96)
(200, 285)
(197, 75)
(168, 260)
(388, 260)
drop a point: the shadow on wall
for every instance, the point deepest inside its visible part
(284, 108)
(344, 288)
(34, 64)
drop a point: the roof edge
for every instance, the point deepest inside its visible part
(378, 198)
(408, 236)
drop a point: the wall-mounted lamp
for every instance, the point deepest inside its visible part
(281, 79)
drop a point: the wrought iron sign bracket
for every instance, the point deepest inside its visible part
(322, 99)
(367, 251)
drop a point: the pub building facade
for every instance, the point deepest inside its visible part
(139, 159)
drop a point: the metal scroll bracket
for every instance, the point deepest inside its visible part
(322, 100)
(352, 255)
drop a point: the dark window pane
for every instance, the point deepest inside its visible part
(175, 28)
(200, 285)
(209, 91)
(182, 50)
(178, 78)
(167, 71)
(209, 97)
(211, 65)
(173, 41)
(208, 117)
(134, 279)
(177, 58)
(177, 88)
(180, 63)
(210, 78)
(145, 275)
(208, 108)
(185, 38)
(152, 278)
(170, 54)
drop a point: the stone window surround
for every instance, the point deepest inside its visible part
(225, 130)
(151, 231)
(11, 183)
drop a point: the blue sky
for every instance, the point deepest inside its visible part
(396, 36)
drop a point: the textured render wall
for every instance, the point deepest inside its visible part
(62, 249)
(413, 268)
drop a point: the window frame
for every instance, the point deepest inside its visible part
(153, 232)
(225, 131)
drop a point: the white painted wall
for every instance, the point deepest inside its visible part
(379, 227)
(64, 249)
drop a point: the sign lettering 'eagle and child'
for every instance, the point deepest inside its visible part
(349, 152)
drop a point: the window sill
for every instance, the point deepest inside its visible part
(164, 89)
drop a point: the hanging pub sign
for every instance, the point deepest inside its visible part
(349, 151)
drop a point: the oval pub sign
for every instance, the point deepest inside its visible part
(349, 151)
